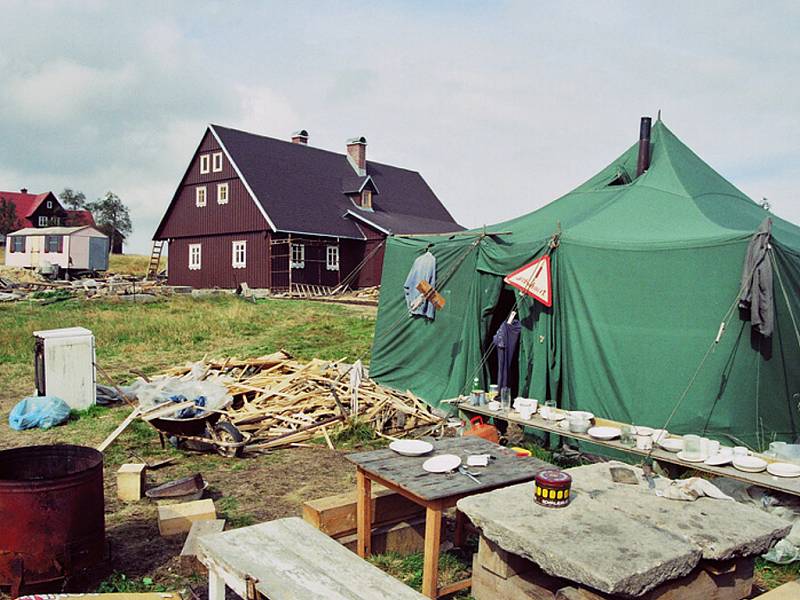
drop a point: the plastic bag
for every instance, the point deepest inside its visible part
(210, 394)
(38, 411)
(782, 553)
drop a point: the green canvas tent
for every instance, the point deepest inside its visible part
(645, 271)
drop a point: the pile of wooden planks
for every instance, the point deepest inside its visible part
(280, 401)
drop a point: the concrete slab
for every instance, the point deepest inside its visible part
(618, 538)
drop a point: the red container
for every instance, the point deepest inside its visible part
(52, 515)
(552, 488)
(483, 430)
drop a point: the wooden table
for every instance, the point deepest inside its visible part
(436, 492)
(763, 479)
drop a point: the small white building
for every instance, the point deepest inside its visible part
(71, 248)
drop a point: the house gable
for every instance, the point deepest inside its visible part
(237, 213)
(31, 207)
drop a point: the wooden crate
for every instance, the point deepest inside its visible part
(174, 519)
(130, 482)
(336, 515)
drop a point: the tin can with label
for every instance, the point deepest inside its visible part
(552, 488)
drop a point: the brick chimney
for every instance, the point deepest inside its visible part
(357, 154)
(300, 137)
(24, 190)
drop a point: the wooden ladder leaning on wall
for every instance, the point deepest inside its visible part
(155, 259)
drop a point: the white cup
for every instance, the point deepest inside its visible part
(713, 447)
(740, 451)
(525, 412)
(545, 412)
(644, 442)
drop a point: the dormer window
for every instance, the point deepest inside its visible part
(216, 162)
(204, 164)
(366, 199)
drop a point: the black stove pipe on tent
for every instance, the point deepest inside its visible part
(644, 146)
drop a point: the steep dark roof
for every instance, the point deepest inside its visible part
(301, 189)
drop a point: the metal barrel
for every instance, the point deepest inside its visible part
(52, 515)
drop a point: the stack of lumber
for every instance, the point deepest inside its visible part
(280, 401)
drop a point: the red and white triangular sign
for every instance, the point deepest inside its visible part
(534, 279)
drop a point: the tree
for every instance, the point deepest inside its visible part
(111, 216)
(73, 200)
(8, 217)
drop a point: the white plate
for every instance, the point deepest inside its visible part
(671, 444)
(553, 415)
(604, 433)
(783, 469)
(444, 463)
(749, 464)
(411, 447)
(719, 460)
(697, 459)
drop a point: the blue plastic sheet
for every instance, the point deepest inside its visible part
(38, 411)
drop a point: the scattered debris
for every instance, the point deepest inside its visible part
(174, 519)
(279, 401)
(130, 482)
(182, 490)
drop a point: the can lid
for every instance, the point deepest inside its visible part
(554, 478)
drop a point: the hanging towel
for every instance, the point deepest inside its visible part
(757, 281)
(506, 340)
(423, 269)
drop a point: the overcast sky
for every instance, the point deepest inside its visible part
(502, 106)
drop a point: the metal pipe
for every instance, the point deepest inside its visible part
(644, 146)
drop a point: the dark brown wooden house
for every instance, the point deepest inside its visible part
(274, 214)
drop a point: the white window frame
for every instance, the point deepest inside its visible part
(205, 164)
(43, 221)
(220, 188)
(332, 258)
(297, 256)
(195, 257)
(216, 162)
(49, 204)
(239, 254)
(200, 196)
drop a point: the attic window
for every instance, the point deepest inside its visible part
(622, 177)
(366, 199)
(216, 162)
(204, 164)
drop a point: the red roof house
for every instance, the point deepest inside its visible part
(35, 210)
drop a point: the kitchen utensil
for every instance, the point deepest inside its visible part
(719, 460)
(604, 433)
(443, 463)
(696, 458)
(411, 447)
(671, 444)
(464, 471)
(749, 464)
(780, 469)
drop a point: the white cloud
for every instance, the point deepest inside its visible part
(501, 106)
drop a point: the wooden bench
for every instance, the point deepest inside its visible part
(288, 559)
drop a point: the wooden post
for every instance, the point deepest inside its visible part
(216, 584)
(458, 535)
(364, 513)
(433, 540)
(289, 263)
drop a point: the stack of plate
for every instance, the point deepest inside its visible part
(749, 464)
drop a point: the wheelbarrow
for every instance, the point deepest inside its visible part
(208, 429)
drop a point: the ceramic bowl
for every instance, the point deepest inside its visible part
(671, 444)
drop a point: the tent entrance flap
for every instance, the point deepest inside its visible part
(504, 344)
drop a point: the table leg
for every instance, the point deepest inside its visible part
(216, 585)
(433, 541)
(363, 514)
(458, 535)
